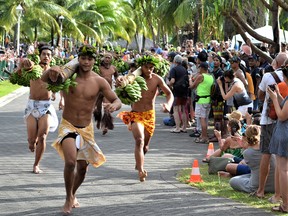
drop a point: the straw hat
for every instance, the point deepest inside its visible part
(235, 115)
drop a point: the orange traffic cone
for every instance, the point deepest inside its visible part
(195, 173)
(210, 150)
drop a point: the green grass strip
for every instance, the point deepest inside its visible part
(6, 87)
(219, 186)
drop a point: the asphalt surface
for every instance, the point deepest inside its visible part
(113, 188)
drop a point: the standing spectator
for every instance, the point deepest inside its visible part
(202, 57)
(216, 99)
(256, 74)
(202, 84)
(278, 142)
(180, 88)
(236, 92)
(238, 73)
(267, 124)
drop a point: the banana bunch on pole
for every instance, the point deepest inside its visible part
(67, 78)
(17, 79)
(130, 88)
(64, 86)
(33, 74)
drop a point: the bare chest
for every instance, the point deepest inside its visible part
(107, 72)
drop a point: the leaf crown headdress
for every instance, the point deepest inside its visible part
(147, 59)
(88, 50)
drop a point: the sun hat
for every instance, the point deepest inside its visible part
(235, 115)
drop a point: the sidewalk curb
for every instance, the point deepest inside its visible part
(10, 97)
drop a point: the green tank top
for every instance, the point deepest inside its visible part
(204, 89)
(238, 152)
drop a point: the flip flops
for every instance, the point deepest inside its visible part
(278, 209)
(254, 194)
(200, 140)
(195, 134)
(175, 131)
(273, 200)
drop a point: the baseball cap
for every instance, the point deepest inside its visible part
(235, 59)
(254, 56)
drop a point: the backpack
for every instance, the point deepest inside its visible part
(182, 83)
(271, 112)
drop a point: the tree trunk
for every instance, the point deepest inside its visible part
(136, 42)
(143, 43)
(35, 34)
(52, 36)
(196, 27)
(15, 36)
(275, 26)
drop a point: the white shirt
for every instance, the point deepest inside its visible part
(268, 79)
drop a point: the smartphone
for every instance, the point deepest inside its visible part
(249, 110)
(272, 87)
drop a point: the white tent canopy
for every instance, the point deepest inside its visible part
(265, 31)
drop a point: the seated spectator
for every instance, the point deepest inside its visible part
(232, 146)
(249, 182)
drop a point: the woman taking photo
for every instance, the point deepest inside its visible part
(278, 143)
(236, 90)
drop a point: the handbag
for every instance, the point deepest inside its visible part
(271, 112)
(216, 164)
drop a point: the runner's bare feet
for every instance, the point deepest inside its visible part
(32, 147)
(37, 170)
(76, 203)
(142, 176)
(67, 208)
(104, 131)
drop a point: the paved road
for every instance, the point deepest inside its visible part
(112, 189)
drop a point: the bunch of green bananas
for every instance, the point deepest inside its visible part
(33, 74)
(34, 57)
(70, 82)
(53, 62)
(142, 83)
(96, 69)
(121, 66)
(59, 61)
(131, 93)
(15, 78)
(162, 68)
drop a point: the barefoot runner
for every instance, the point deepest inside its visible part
(40, 114)
(75, 142)
(141, 119)
(108, 72)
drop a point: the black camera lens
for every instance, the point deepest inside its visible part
(272, 87)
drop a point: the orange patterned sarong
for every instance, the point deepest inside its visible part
(146, 118)
(88, 149)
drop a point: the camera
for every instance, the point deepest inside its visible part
(249, 110)
(272, 87)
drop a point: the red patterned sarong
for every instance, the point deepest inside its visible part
(146, 118)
